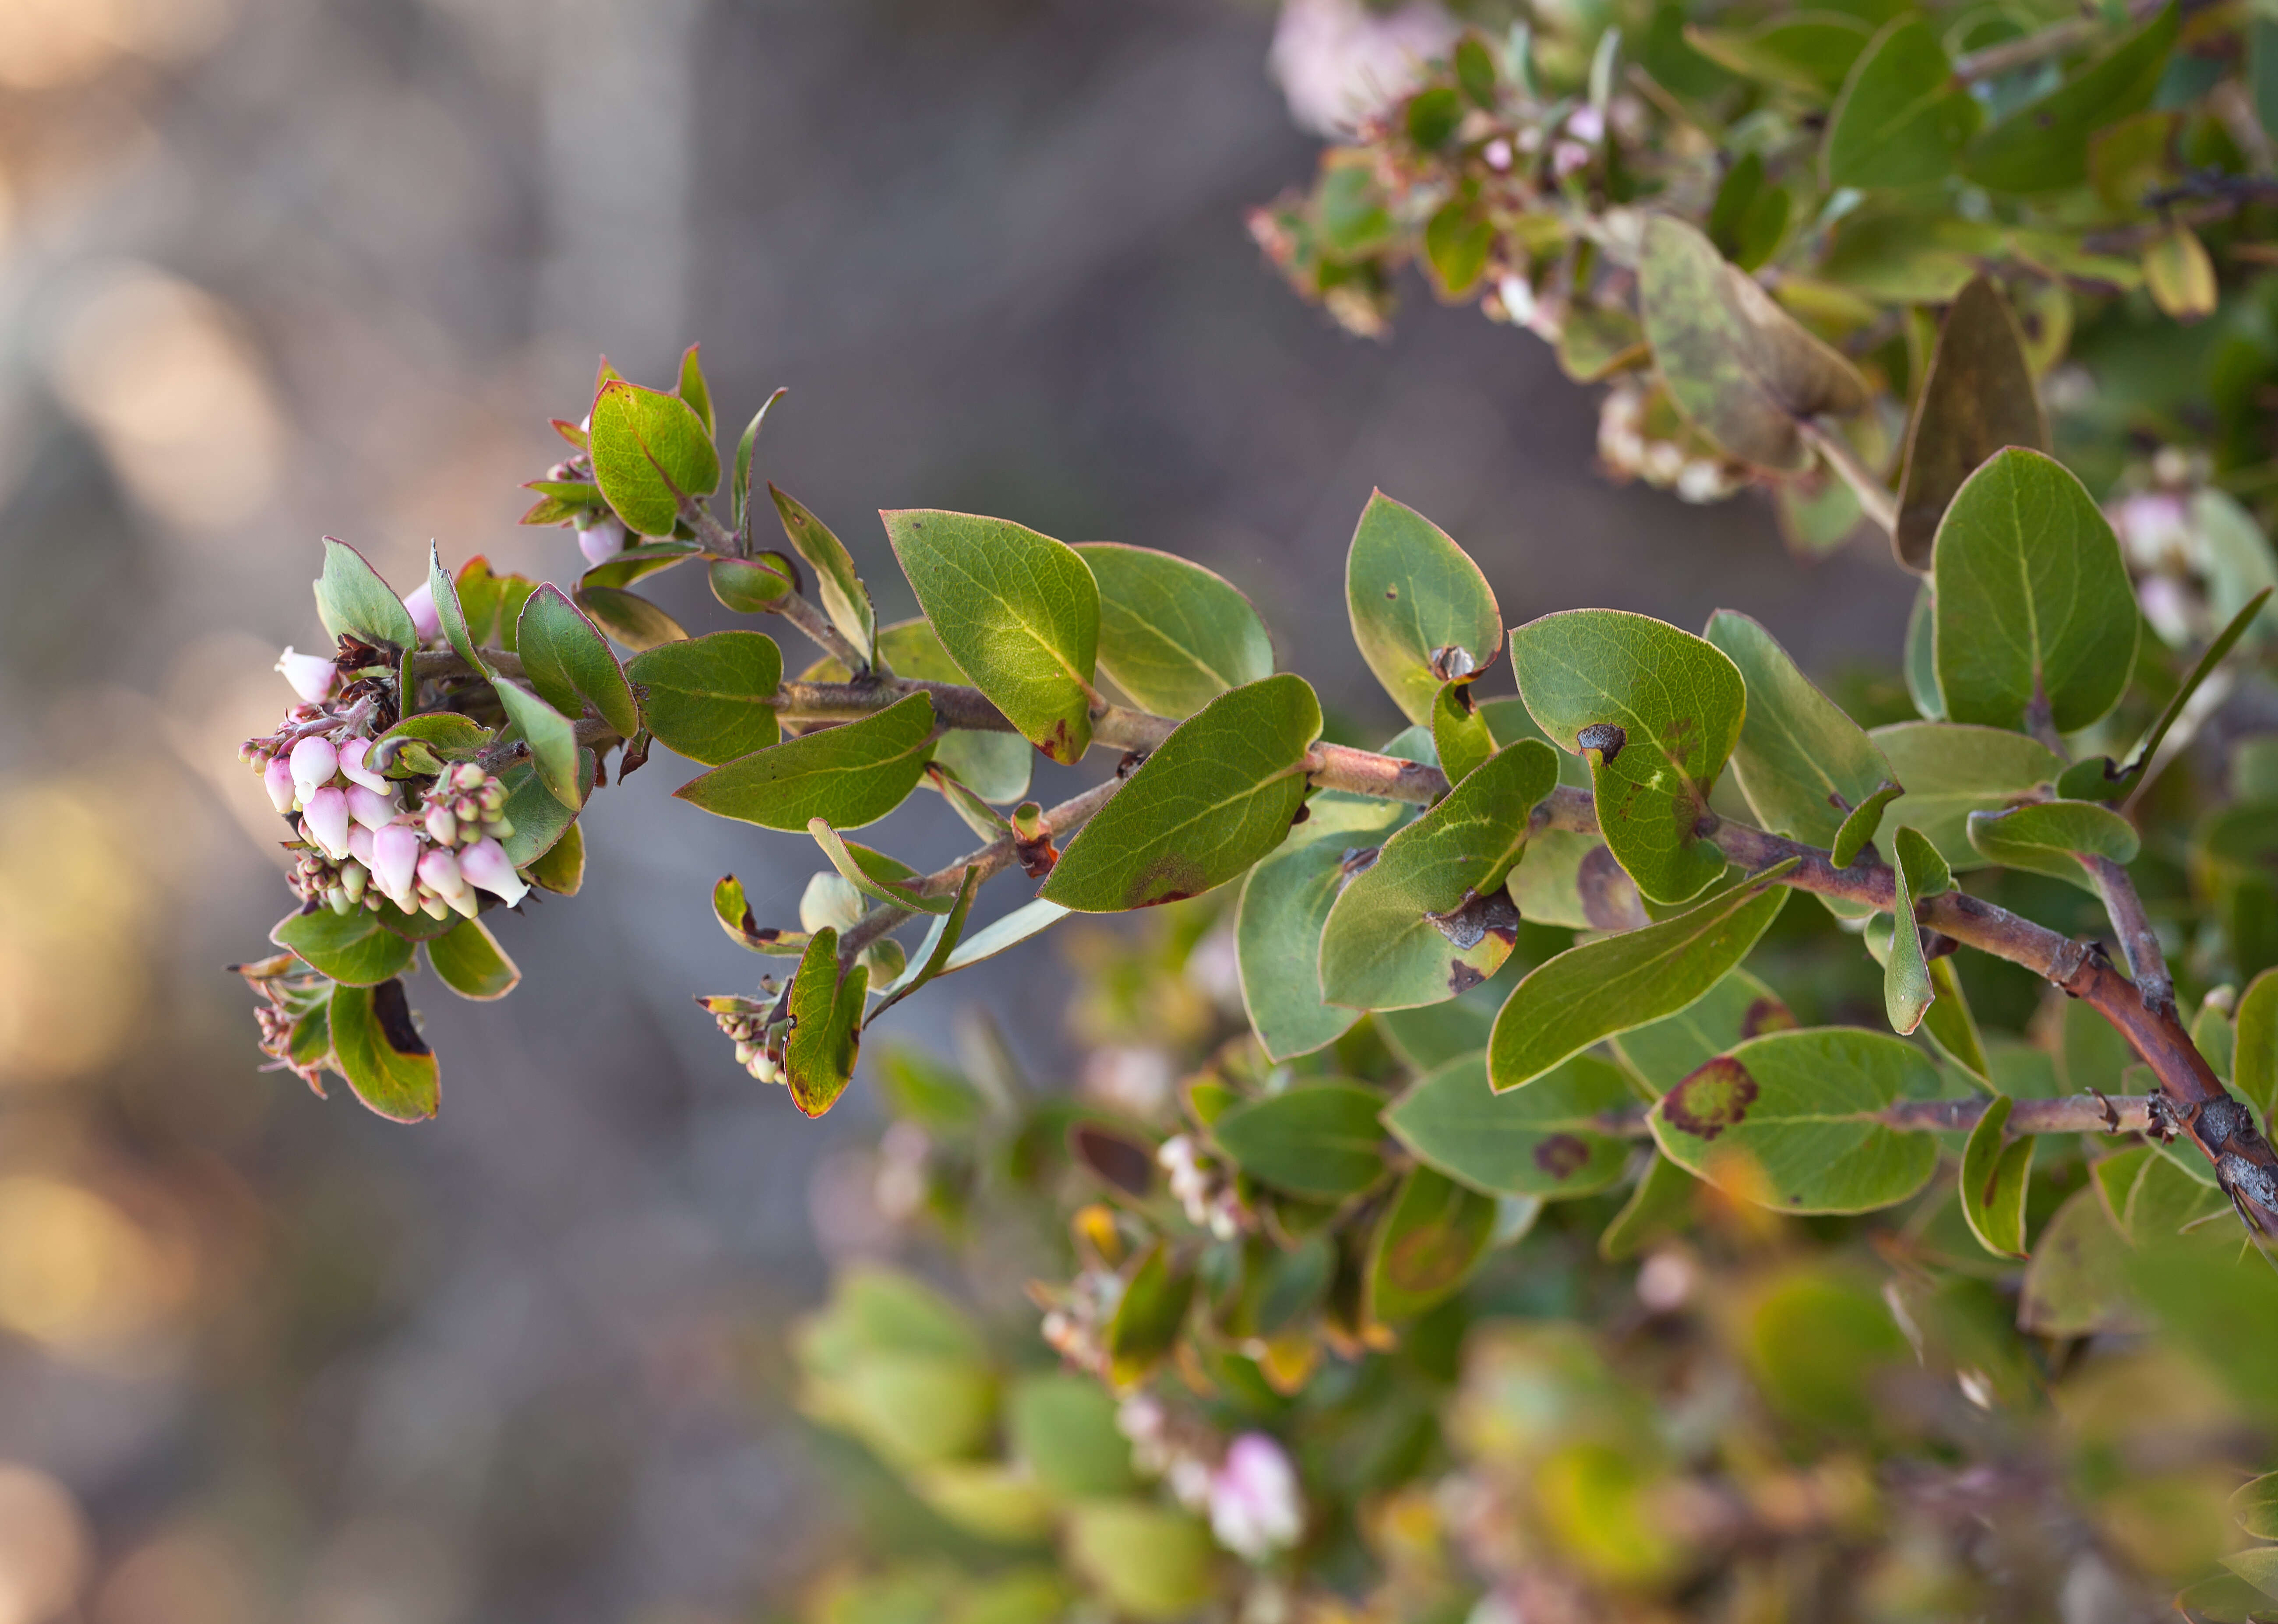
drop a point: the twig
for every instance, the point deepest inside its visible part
(2145, 962)
(1875, 498)
(792, 606)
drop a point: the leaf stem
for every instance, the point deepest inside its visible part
(793, 606)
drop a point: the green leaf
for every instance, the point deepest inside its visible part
(630, 617)
(1276, 939)
(1318, 1139)
(1210, 800)
(1601, 987)
(1929, 875)
(650, 450)
(1748, 217)
(1421, 611)
(1549, 1139)
(1009, 931)
(874, 873)
(1018, 612)
(2257, 1567)
(1951, 1024)
(1802, 762)
(1428, 918)
(1149, 1316)
(1907, 988)
(1861, 823)
(628, 565)
(750, 586)
(739, 488)
(2045, 836)
(1460, 734)
(1922, 655)
(1172, 635)
(1903, 118)
(993, 765)
(845, 599)
(1596, 343)
(561, 867)
(1458, 243)
(1977, 398)
(733, 909)
(1741, 369)
(541, 820)
(2255, 1508)
(2100, 779)
(711, 698)
(1427, 1245)
(377, 1047)
(2033, 599)
(1661, 1054)
(1950, 771)
(934, 954)
(695, 391)
(1678, 703)
(1806, 51)
(353, 602)
(471, 963)
(1659, 1205)
(353, 949)
(2043, 146)
(851, 775)
(553, 740)
(1789, 1121)
(1994, 1177)
(1062, 1425)
(2076, 1284)
(569, 662)
(826, 1033)
(453, 616)
(2254, 1055)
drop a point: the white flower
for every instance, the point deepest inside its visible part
(372, 810)
(314, 763)
(276, 778)
(486, 864)
(395, 863)
(312, 676)
(352, 754)
(1703, 480)
(1338, 63)
(421, 601)
(1255, 1509)
(1518, 296)
(324, 821)
(601, 544)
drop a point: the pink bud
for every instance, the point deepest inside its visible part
(276, 778)
(324, 820)
(360, 844)
(440, 869)
(371, 810)
(599, 544)
(352, 754)
(395, 862)
(421, 601)
(1566, 157)
(314, 763)
(312, 676)
(1255, 1507)
(484, 864)
(443, 828)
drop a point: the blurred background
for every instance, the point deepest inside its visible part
(271, 269)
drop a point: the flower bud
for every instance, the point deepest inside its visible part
(443, 828)
(601, 544)
(314, 763)
(395, 862)
(1254, 1504)
(433, 907)
(336, 898)
(486, 864)
(374, 812)
(276, 778)
(440, 869)
(359, 841)
(324, 821)
(424, 620)
(354, 761)
(312, 676)
(354, 877)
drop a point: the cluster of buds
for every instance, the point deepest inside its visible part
(1077, 1315)
(1203, 1188)
(290, 993)
(2185, 544)
(758, 1029)
(359, 845)
(1247, 1487)
(1641, 437)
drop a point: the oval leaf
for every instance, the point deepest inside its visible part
(1321, 1140)
(1994, 1177)
(377, 1047)
(711, 698)
(354, 949)
(1277, 941)
(2049, 837)
(1213, 798)
(471, 963)
(850, 776)
(353, 602)
(650, 449)
(1412, 592)
(567, 660)
(826, 1033)
(1547, 1139)
(1803, 765)
(1950, 771)
(1429, 1242)
(1903, 118)
(1977, 398)
(1172, 635)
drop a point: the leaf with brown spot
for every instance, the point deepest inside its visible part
(1978, 397)
(1432, 1237)
(1549, 1139)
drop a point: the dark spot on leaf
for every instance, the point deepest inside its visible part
(1476, 918)
(1121, 1161)
(1462, 977)
(1767, 1014)
(1609, 896)
(1391, 592)
(1711, 1100)
(1561, 1156)
(1305, 810)
(392, 1010)
(1607, 738)
(1171, 878)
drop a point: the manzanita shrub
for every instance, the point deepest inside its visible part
(1547, 1214)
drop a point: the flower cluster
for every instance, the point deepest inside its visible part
(757, 1029)
(2196, 554)
(1248, 1488)
(358, 843)
(1641, 437)
(1204, 1189)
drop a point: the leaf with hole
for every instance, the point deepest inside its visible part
(1429, 918)
(1792, 1121)
(1612, 985)
(1318, 1139)
(1742, 370)
(1210, 801)
(650, 450)
(377, 1047)
(1016, 611)
(1421, 611)
(711, 698)
(851, 775)
(1674, 704)
(1978, 398)
(1549, 1139)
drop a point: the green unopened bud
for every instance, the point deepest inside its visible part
(337, 898)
